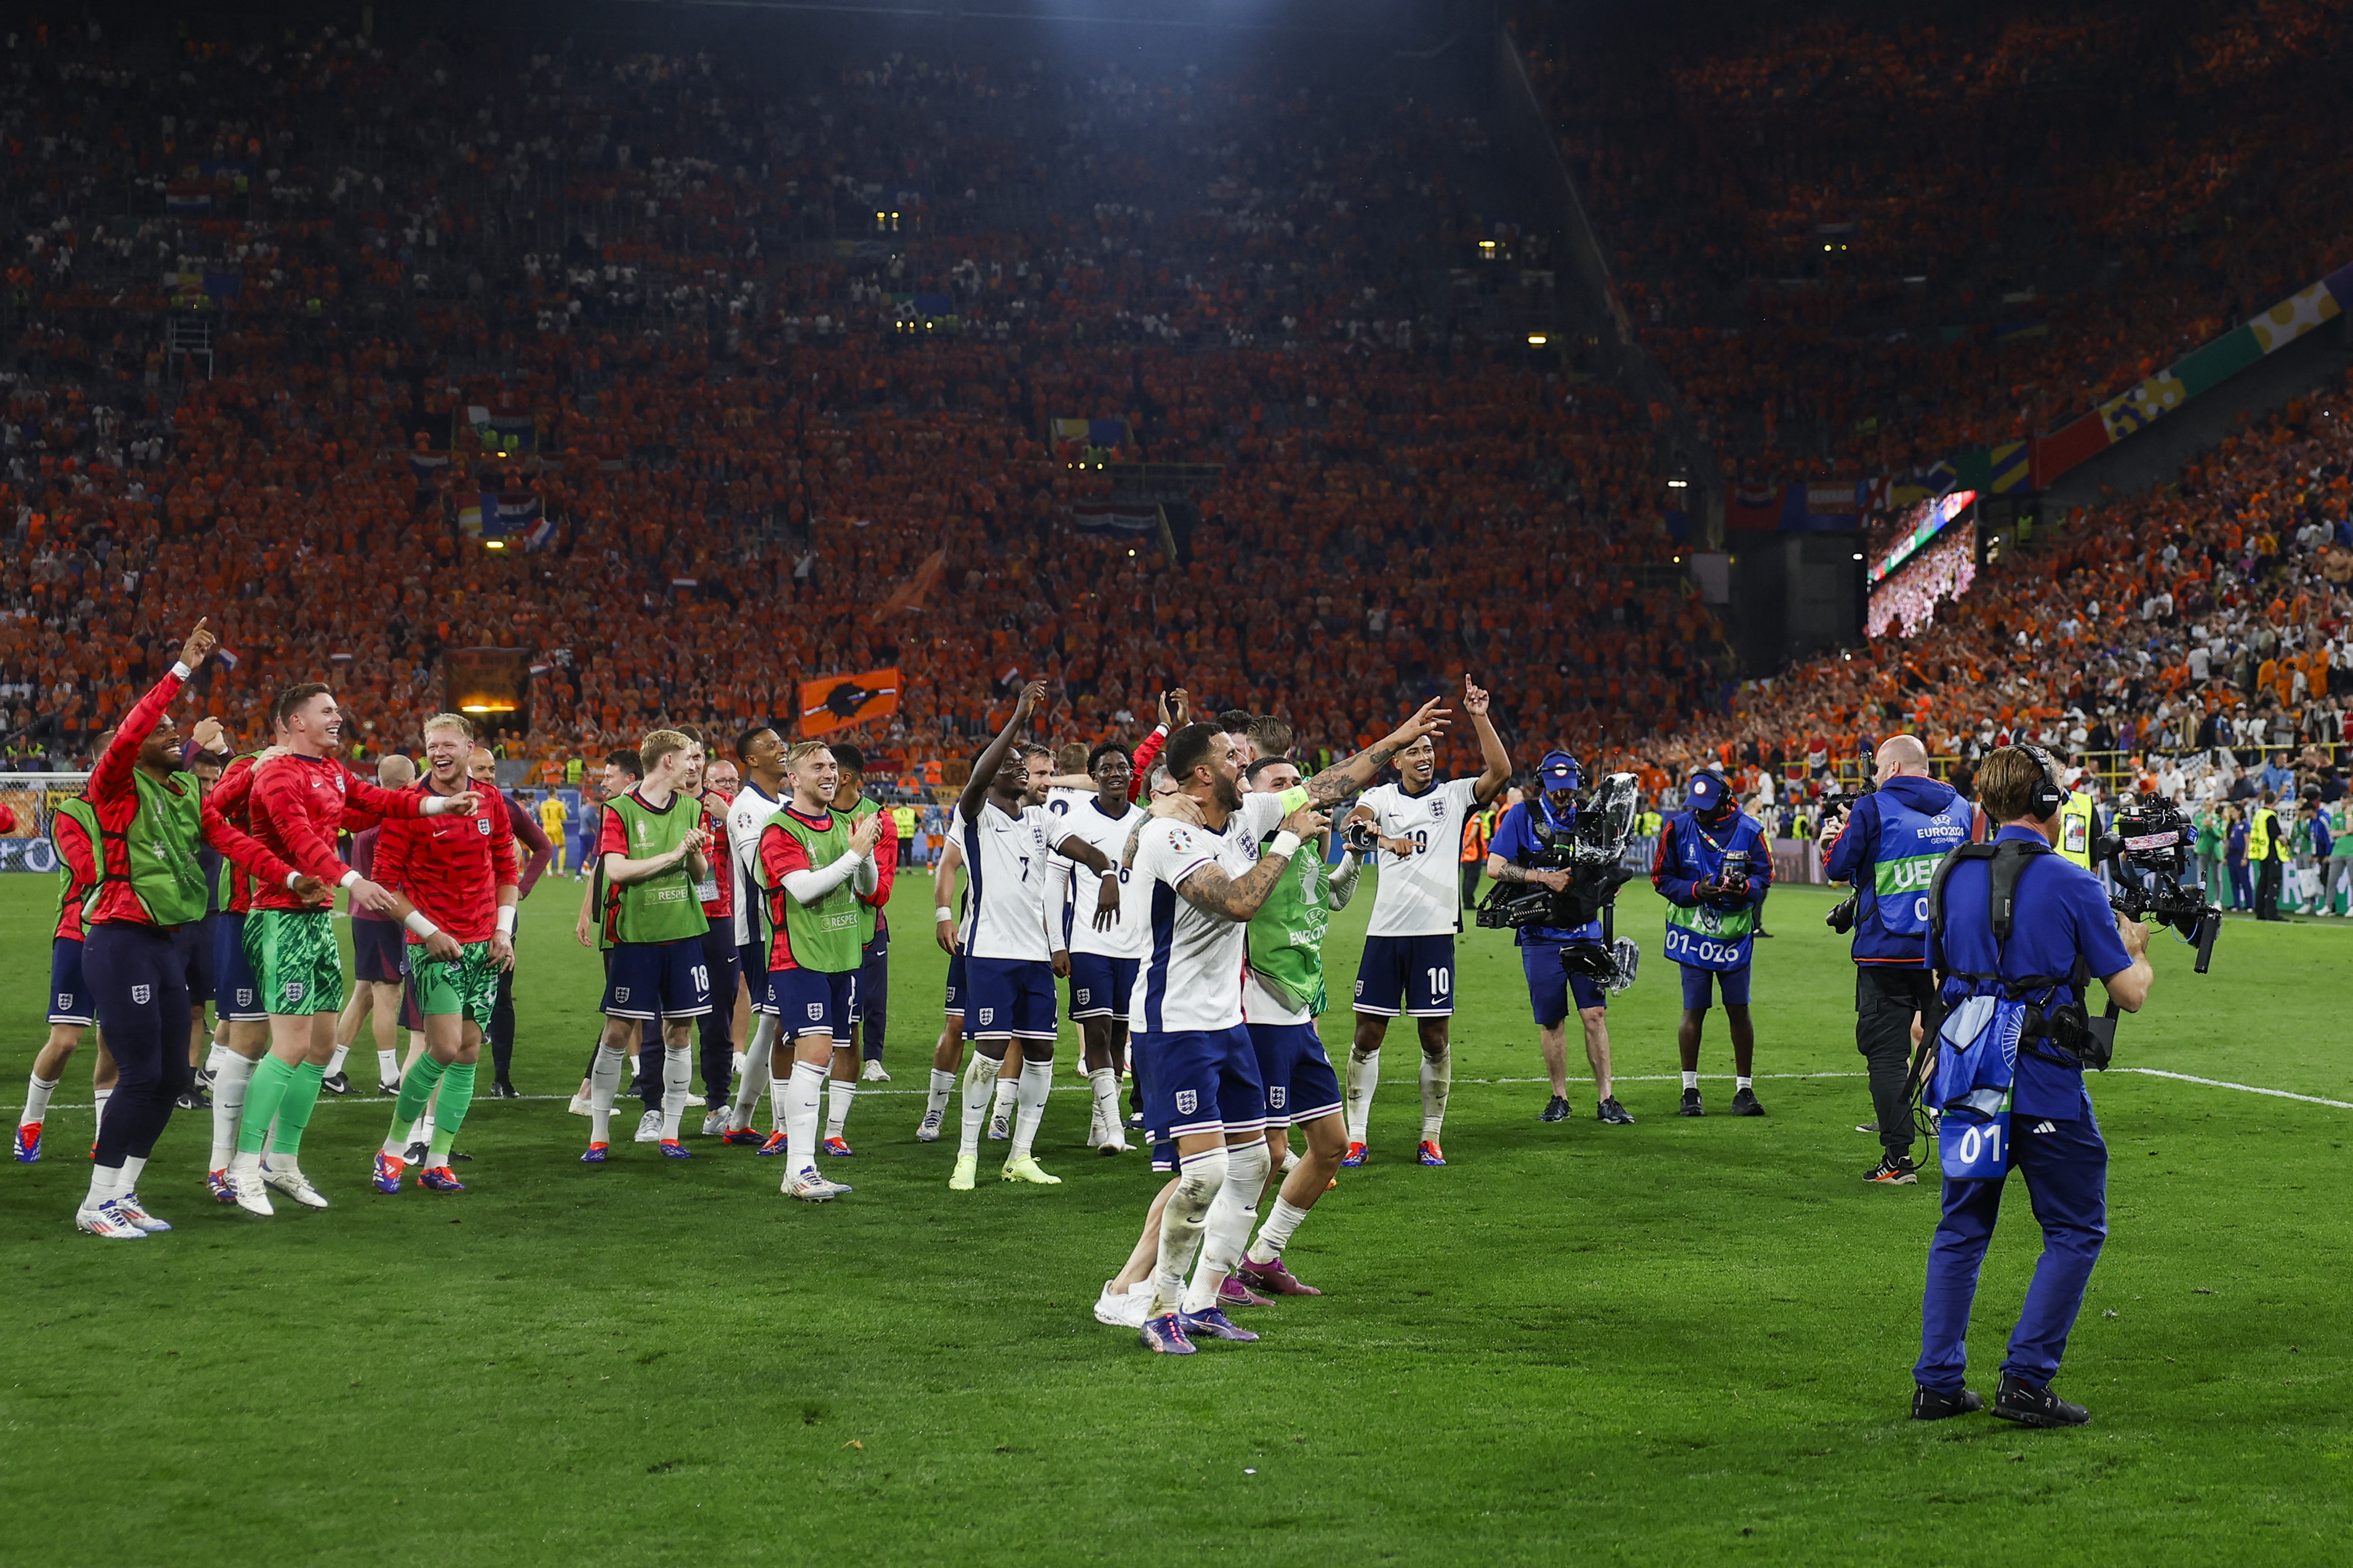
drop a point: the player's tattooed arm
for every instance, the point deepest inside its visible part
(1342, 779)
(1235, 898)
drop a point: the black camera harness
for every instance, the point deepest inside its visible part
(2065, 1034)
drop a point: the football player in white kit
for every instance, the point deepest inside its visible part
(761, 752)
(1202, 1088)
(1100, 964)
(1005, 937)
(1409, 959)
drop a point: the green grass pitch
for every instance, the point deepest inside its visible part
(1674, 1342)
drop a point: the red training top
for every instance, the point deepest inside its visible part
(297, 802)
(452, 868)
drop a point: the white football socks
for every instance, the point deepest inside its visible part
(604, 1083)
(1200, 1179)
(1364, 1077)
(1276, 1233)
(1437, 1083)
(936, 1100)
(388, 1068)
(807, 1087)
(838, 1094)
(1691, 1081)
(677, 1071)
(758, 1063)
(979, 1087)
(229, 1081)
(1037, 1080)
(1007, 1090)
(36, 1100)
(133, 1167)
(1740, 1082)
(1105, 1083)
(335, 1062)
(104, 1182)
(1228, 1224)
(103, 1096)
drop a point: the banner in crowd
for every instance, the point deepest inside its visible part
(836, 702)
(493, 515)
(1826, 506)
(1093, 432)
(1114, 517)
(910, 595)
(2199, 371)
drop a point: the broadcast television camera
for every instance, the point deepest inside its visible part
(2152, 835)
(1592, 852)
(1842, 914)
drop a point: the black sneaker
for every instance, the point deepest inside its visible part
(1555, 1109)
(1614, 1114)
(335, 1083)
(416, 1155)
(1894, 1171)
(1744, 1103)
(1867, 1127)
(502, 1090)
(1934, 1405)
(2021, 1401)
(389, 1090)
(1690, 1105)
(195, 1099)
(1767, 934)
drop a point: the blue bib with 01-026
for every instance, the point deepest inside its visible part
(1911, 845)
(1708, 937)
(1977, 1059)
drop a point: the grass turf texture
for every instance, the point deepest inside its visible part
(1681, 1341)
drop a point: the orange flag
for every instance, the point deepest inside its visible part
(909, 595)
(836, 702)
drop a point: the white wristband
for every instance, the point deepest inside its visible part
(348, 878)
(435, 804)
(1286, 844)
(506, 920)
(942, 913)
(415, 921)
(180, 669)
(293, 878)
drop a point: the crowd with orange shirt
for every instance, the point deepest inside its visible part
(777, 363)
(1862, 245)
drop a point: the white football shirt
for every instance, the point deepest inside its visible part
(1108, 834)
(1420, 894)
(746, 815)
(1191, 977)
(1004, 886)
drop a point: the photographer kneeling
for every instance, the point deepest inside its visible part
(1888, 845)
(2060, 931)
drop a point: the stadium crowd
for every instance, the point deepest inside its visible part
(1860, 246)
(785, 371)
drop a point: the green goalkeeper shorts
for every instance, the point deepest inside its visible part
(467, 984)
(294, 957)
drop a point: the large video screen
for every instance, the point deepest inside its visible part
(1905, 600)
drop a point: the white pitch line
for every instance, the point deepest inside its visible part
(2242, 1088)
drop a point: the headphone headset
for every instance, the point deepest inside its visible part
(2050, 794)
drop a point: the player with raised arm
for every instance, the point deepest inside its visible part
(869, 999)
(1100, 965)
(947, 1055)
(652, 856)
(296, 803)
(148, 905)
(1203, 1092)
(1409, 958)
(813, 865)
(1007, 946)
(462, 875)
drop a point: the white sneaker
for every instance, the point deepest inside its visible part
(1114, 1142)
(244, 1187)
(1291, 1157)
(811, 1188)
(580, 1106)
(715, 1123)
(131, 1209)
(928, 1129)
(288, 1179)
(1125, 1310)
(872, 1073)
(108, 1220)
(650, 1127)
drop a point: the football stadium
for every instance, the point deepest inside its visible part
(1594, 704)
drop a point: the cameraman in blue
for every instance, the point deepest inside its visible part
(1888, 847)
(1526, 830)
(1713, 867)
(2060, 931)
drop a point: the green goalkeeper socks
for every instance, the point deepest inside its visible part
(449, 1111)
(415, 1093)
(264, 1095)
(294, 1110)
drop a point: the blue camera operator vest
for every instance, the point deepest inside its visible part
(1910, 846)
(1708, 937)
(1548, 830)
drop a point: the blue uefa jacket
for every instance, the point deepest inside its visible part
(1854, 857)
